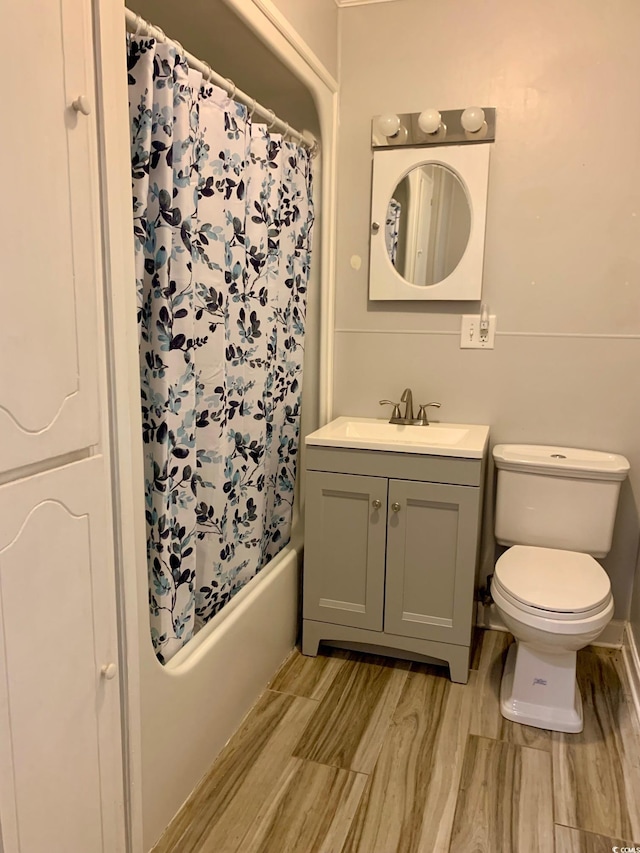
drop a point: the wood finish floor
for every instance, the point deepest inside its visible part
(351, 753)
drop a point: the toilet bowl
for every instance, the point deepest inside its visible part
(554, 602)
(555, 509)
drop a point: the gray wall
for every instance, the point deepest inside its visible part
(562, 245)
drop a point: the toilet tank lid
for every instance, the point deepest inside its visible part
(561, 461)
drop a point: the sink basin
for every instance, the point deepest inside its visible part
(383, 431)
(438, 439)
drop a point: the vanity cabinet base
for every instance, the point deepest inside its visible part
(428, 651)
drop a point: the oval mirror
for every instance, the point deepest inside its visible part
(428, 224)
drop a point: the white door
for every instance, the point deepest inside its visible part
(61, 787)
(49, 266)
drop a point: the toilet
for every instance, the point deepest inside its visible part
(555, 510)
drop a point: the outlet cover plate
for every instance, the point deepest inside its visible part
(470, 332)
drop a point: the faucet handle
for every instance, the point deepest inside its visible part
(395, 415)
(422, 411)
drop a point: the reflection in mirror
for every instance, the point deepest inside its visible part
(428, 224)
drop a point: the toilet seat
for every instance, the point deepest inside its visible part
(551, 583)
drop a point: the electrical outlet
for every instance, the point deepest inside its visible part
(470, 337)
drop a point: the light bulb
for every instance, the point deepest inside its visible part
(388, 124)
(401, 136)
(472, 119)
(429, 121)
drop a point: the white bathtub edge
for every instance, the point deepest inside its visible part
(196, 706)
(235, 609)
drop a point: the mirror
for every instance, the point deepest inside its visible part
(428, 224)
(428, 211)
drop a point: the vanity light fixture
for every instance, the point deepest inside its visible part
(434, 127)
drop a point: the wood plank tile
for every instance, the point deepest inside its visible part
(487, 721)
(246, 773)
(596, 772)
(476, 647)
(616, 656)
(351, 721)
(505, 800)
(308, 676)
(312, 813)
(577, 841)
(410, 799)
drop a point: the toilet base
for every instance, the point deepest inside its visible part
(540, 689)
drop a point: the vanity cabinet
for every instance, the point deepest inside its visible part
(391, 543)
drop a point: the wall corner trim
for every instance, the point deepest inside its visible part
(631, 659)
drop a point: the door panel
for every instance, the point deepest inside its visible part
(49, 263)
(60, 742)
(345, 549)
(431, 558)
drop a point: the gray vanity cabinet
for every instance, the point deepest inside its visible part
(391, 543)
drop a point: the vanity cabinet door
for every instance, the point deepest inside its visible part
(431, 557)
(345, 534)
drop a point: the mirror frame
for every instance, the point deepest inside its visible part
(470, 163)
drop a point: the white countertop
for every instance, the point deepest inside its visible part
(463, 441)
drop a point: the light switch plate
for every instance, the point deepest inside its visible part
(470, 337)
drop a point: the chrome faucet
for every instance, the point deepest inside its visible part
(407, 397)
(409, 419)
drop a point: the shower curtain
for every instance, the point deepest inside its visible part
(223, 217)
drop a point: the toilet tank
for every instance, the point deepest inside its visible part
(557, 497)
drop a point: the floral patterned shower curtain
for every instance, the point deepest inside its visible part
(223, 217)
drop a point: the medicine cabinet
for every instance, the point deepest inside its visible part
(428, 213)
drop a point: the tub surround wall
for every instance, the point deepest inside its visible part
(317, 24)
(563, 230)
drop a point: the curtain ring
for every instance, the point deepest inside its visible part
(253, 107)
(180, 49)
(163, 37)
(208, 72)
(233, 86)
(286, 131)
(140, 24)
(313, 149)
(274, 119)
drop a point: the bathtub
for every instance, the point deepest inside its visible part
(193, 704)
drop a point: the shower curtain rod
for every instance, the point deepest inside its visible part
(138, 26)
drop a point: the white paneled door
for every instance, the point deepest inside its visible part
(48, 220)
(60, 757)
